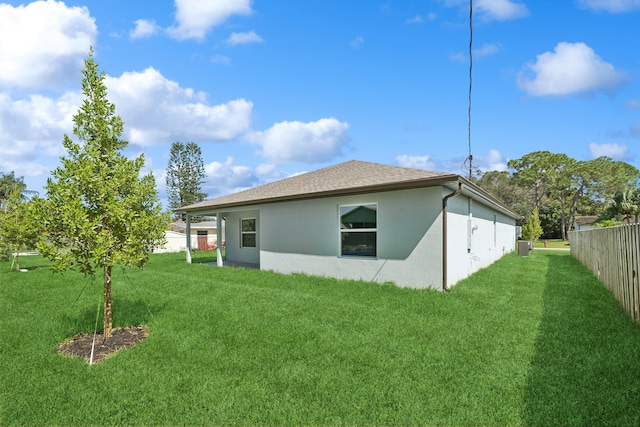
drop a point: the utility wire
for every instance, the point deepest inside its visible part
(470, 86)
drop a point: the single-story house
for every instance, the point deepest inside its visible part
(582, 223)
(203, 233)
(361, 220)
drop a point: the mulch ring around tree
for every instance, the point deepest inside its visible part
(121, 338)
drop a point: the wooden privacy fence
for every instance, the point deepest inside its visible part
(613, 254)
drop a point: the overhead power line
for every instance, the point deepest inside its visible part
(470, 158)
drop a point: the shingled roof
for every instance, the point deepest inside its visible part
(352, 177)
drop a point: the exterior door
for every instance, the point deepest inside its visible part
(202, 240)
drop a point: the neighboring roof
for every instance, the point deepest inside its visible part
(352, 177)
(586, 220)
(194, 225)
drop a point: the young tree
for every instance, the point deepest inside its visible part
(185, 175)
(17, 228)
(532, 230)
(99, 211)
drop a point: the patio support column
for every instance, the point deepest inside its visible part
(219, 261)
(188, 238)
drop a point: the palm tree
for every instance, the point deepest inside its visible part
(626, 205)
(8, 182)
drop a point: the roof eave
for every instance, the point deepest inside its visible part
(402, 185)
(481, 194)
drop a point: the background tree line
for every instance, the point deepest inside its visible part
(561, 188)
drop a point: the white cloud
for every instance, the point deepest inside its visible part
(268, 171)
(144, 28)
(196, 17)
(32, 129)
(493, 10)
(416, 162)
(45, 43)
(221, 59)
(160, 175)
(487, 49)
(611, 6)
(312, 142)
(501, 10)
(493, 161)
(633, 104)
(225, 178)
(415, 20)
(458, 57)
(615, 151)
(357, 42)
(571, 68)
(244, 38)
(156, 110)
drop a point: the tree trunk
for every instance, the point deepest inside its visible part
(563, 219)
(537, 196)
(108, 313)
(574, 206)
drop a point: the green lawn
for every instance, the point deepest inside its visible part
(552, 244)
(529, 341)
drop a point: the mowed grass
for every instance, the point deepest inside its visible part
(552, 244)
(528, 341)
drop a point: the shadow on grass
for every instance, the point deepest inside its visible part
(125, 313)
(586, 365)
(31, 266)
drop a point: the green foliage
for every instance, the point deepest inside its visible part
(5, 251)
(559, 183)
(551, 219)
(532, 230)
(18, 227)
(540, 172)
(185, 175)
(8, 184)
(528, 341)
(624, 206)
(607, 223)
(99, 210)
(504, 188)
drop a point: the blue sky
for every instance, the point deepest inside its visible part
(269, 89)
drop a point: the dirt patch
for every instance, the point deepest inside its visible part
(121, 338)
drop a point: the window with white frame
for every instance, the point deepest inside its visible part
(247, 232)
(359, 230)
